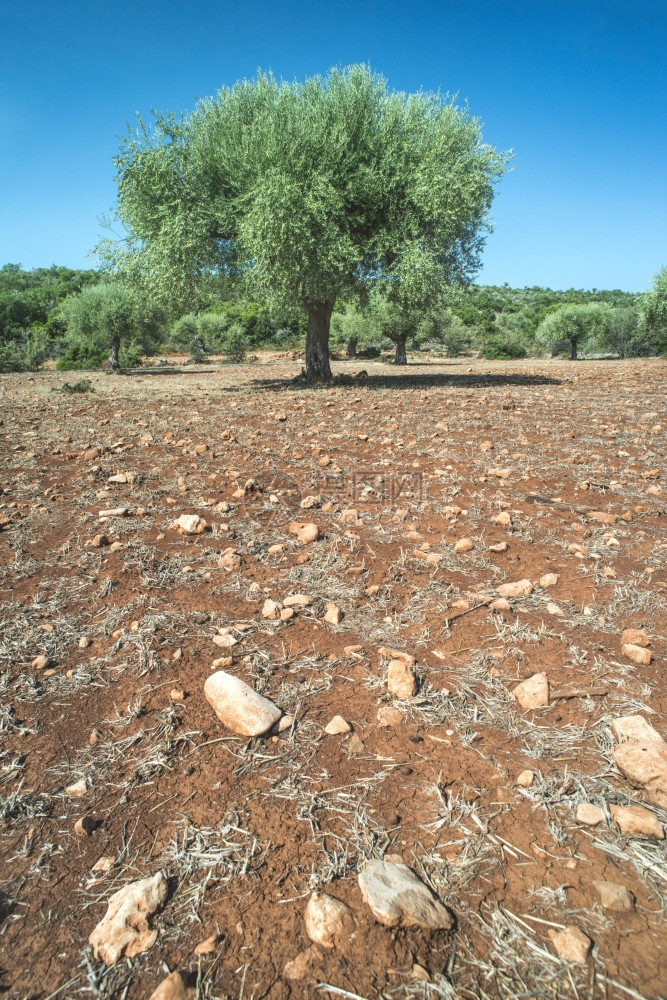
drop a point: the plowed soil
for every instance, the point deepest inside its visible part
(395, 469)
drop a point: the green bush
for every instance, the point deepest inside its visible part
(496, 348)
(81, 358)
(235, 344)
(83, 385)
(12, 359)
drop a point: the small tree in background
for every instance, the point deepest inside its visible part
(653, 314)
(110, 317)
(353, 328)
(575, 324)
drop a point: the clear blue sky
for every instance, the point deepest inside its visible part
(578, 88)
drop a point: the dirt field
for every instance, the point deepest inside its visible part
(111, 725)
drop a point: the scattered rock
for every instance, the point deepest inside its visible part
(602, 516)
(209, 945)
(78, 788)
(305, 531)
(329, 922)
(396, 897)
(572, 945)
(614, 896)
(589, 814)
(464, 545)
(40, 662)
(238, 706)
(388, 715)
(333, 613)
(104, 864)
(297, 968)
(271, 609)
(337, 726)
(177, 986)
(504, 519)
(352, 649)
(230, 559)
(634, 728)
(533, 692)
(225, 640)
(644, 764)
(555, 609)
(190, 524)
(498, 547)
(637, 822)
(397, 654)
(521, 588)
(286, 722)
(400, 679)
(298, 601)
(525, 779)
(638, 654)
(634, 637)
(85, 826)
(124, 929)
(501, 604)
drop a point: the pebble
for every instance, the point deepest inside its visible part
(123, 931)
(238, 706)
(305, 531)
(337, 726)
(298, 601)
(40, 662)
(329, 922)
(525, 779)
(634, 728)
(644, 764)
(297, 968)
(85, 642)
(271, 609)
(533, 692)
(498, 547)
(177, 986)
(638, 654)
(401, 681)
(572, 945)
(504, 519)
(388, 715)
(396, 897)
(614, 896)
(500, 604)
(333, 614)
(520, 588)
(78, 788)
(209, 945)
(190, 524)
(352, 649)
(637, 821)
(464, 545)
(555, 609)
(85, 826)
(634, 637)
(589, 814)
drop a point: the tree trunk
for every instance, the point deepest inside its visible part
(401, 354)
(113, 357)
(318, 368)
(573, 350)
(352, 348)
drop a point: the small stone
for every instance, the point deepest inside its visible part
(464, 545)
(333, 614)
(602, 516)
(388, 715)
(124, 930)
(572, 945)
(177, 986)
(533, 692)
(352, 649)
(297, 968)
(397, 654)
(521, 588)
(504, 519)
(119, 478)
(555, 609)
(400, 680)
(94, 737)
(190, 524)
(275, 549)
(85, 826)
(498, 547)
(305, 531)
(644, 764)
(297, 601)
(85, 642)
(525, 779)
(637, 822)
(177, 694)
(271, 609)
(634, 728)
(614, 896)
(329, 921)
(635, 637)
(40, 662)
(286, 722)
(349, 516)
(337, 725)
(419, 972)
(104, 864)
(99, 542)
(230, 560)
(549, 580)
(501, 604)
(638, 654)
(356, 745)
(209, 945)
(589, 814)
(396, 897)
(78, 788)
(238, 706)
(286, 614)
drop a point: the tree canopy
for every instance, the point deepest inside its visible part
(574, 324)
(311, 191)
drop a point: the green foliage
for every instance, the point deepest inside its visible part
(28, 298)
(235, 344)
(653, 313)
(83, 385)
(496, 347)
(576, 324)
(353, 329)
(311, 191)
(109, 316)
(80, 358)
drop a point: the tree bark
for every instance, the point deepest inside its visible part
(573, 350)
(351, 348)
(401, 353)
(113, 357)
(318, 368)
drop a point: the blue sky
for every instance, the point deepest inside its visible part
(578, 88)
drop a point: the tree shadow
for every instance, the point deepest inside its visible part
(416, 380)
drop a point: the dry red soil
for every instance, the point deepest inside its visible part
(246, 829)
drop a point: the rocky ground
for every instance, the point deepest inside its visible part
(351, 692)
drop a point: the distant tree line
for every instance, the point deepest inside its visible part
(82, 319)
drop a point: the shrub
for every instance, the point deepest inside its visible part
(496, 348)
(235, 344)
(81, 357)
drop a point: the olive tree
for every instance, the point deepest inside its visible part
(575, 324)
(653, 313)
(311, 191)
(109, 316)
